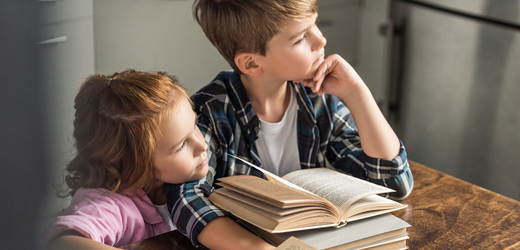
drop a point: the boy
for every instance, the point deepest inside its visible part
(266, 112)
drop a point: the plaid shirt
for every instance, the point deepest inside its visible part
(327, 137)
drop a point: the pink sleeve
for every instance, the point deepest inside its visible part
(110, 219)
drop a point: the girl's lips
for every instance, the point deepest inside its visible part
(204, 162)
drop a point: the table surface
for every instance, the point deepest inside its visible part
(445, 213)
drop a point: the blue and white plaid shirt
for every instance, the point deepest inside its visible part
(327, 137)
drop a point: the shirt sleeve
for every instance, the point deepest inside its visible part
(100, 217)
(190, 208)
(345, 154)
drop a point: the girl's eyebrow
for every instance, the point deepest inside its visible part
(184, 138)
(178, 143)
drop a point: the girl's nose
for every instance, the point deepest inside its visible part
(200, 143)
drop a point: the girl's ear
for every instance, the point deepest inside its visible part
(246, 63)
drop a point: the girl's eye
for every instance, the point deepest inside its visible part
(301, 40)
(182, 146)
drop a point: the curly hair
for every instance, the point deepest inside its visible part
(116, 128)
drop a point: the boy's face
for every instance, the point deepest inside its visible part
(181, 152)
(296, 52)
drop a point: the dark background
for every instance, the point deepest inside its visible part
(22, 139)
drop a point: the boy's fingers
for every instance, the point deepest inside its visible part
(306, 83)
(321, 73)
(317, 85)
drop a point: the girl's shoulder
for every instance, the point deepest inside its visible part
(108, 217)
(105, 199)
(97, 193)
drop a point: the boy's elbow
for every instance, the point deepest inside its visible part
(404, 185)
(402, 191)
(401, 194)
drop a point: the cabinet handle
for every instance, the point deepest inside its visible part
(60, 39)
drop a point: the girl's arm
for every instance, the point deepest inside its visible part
(74, 240)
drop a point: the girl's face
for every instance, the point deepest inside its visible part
(181, 152)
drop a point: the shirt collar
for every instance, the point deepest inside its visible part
(246, 116)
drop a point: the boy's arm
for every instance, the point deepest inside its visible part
(383, 156)
(335, 76)
(203, 223)
(224, 233)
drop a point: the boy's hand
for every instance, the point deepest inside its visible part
(334, 76)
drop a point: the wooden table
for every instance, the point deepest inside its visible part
(445, 213)
(448, 213)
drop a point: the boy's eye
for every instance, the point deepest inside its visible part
(301, 40)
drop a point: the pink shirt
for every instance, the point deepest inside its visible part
(113, 219)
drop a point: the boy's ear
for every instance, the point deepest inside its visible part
(247, 64)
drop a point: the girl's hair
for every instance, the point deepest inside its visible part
(116, 127)
(235, 26)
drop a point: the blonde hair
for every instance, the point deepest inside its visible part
(116, 128)
(235, 26)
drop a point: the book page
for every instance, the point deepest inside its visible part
(295, 244)
(263, 204)
(338, 188)
(271, 222)
(270, 176)
(277, 194)
(377, 204)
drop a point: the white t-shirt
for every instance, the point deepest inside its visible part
(277, 143)
(163, 211)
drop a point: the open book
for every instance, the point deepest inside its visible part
(301, 200)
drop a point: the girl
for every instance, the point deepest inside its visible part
(134, 132)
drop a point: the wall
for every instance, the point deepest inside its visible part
(163, 36)
(154, 36)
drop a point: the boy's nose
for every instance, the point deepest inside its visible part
(320, 40)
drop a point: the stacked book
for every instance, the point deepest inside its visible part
(324, 208)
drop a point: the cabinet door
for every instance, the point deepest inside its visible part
(373, 47)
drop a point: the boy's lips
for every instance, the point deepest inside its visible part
(320, 59)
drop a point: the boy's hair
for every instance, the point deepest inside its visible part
(117, 124)
(235, 26)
